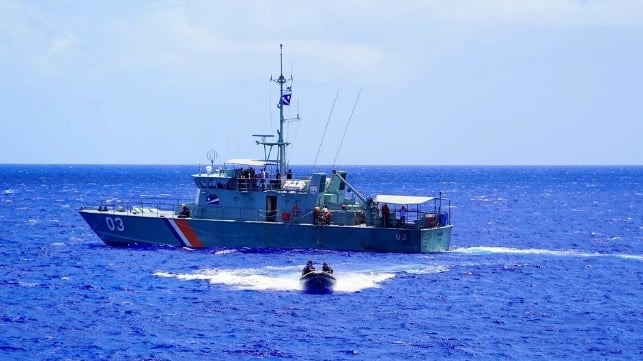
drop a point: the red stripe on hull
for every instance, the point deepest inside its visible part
(187, 231)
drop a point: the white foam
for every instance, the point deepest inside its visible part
(482, 250)
(226, 251)
(630, 256)
(279, 278)
(427, 269)
(356, 281)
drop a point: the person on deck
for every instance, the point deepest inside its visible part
(386, 213)
(253, 178)
(402, 216)
(185, 212)
(326, 268)
(289, 174)
(308, 268)
(262, 178)
(326, 215)
(278, 180)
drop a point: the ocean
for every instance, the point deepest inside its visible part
(545, 263)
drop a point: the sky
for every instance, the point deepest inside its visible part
(444, 82)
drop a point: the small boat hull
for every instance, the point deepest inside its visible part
(317, 282)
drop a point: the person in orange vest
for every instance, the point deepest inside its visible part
(386, 213)
(326, 215)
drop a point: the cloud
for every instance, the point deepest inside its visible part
(347, 38)
(541, 12)
(35, 40)
(163, 38)
(228, 40)
(62, 43)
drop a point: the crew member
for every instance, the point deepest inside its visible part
(278, 180)
(308, 268)
(326, 215)
(262, 178)
(385, 215)
(326, 268)
(185, 212)
(402, 216)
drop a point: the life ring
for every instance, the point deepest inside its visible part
(296, 211)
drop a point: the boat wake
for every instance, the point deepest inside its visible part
(484, 250)
(279, 278)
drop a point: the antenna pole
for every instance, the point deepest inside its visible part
(325, 128)
(346, 129)
(284, 99)
(282, 146)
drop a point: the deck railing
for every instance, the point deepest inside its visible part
(439, 216)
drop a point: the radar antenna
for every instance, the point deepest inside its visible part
(212, 156)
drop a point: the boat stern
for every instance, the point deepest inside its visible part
(435, 239)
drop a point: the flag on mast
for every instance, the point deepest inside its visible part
(285, 99)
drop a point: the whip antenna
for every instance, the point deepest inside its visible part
(324, 134)
(347, 124)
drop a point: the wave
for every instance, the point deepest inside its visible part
(275, 278)
(278, 278)
(484, 250)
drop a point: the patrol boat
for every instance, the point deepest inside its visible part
(238, 205)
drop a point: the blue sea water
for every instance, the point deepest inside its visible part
(546, 263)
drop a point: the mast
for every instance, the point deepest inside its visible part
(284, 99)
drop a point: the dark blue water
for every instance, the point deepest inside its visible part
(546, 262)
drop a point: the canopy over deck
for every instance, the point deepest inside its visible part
(248, 162)
(385, 198)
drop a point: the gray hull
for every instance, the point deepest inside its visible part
(123, 228)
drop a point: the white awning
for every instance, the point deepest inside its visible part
(384, 198)
(248, 162)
